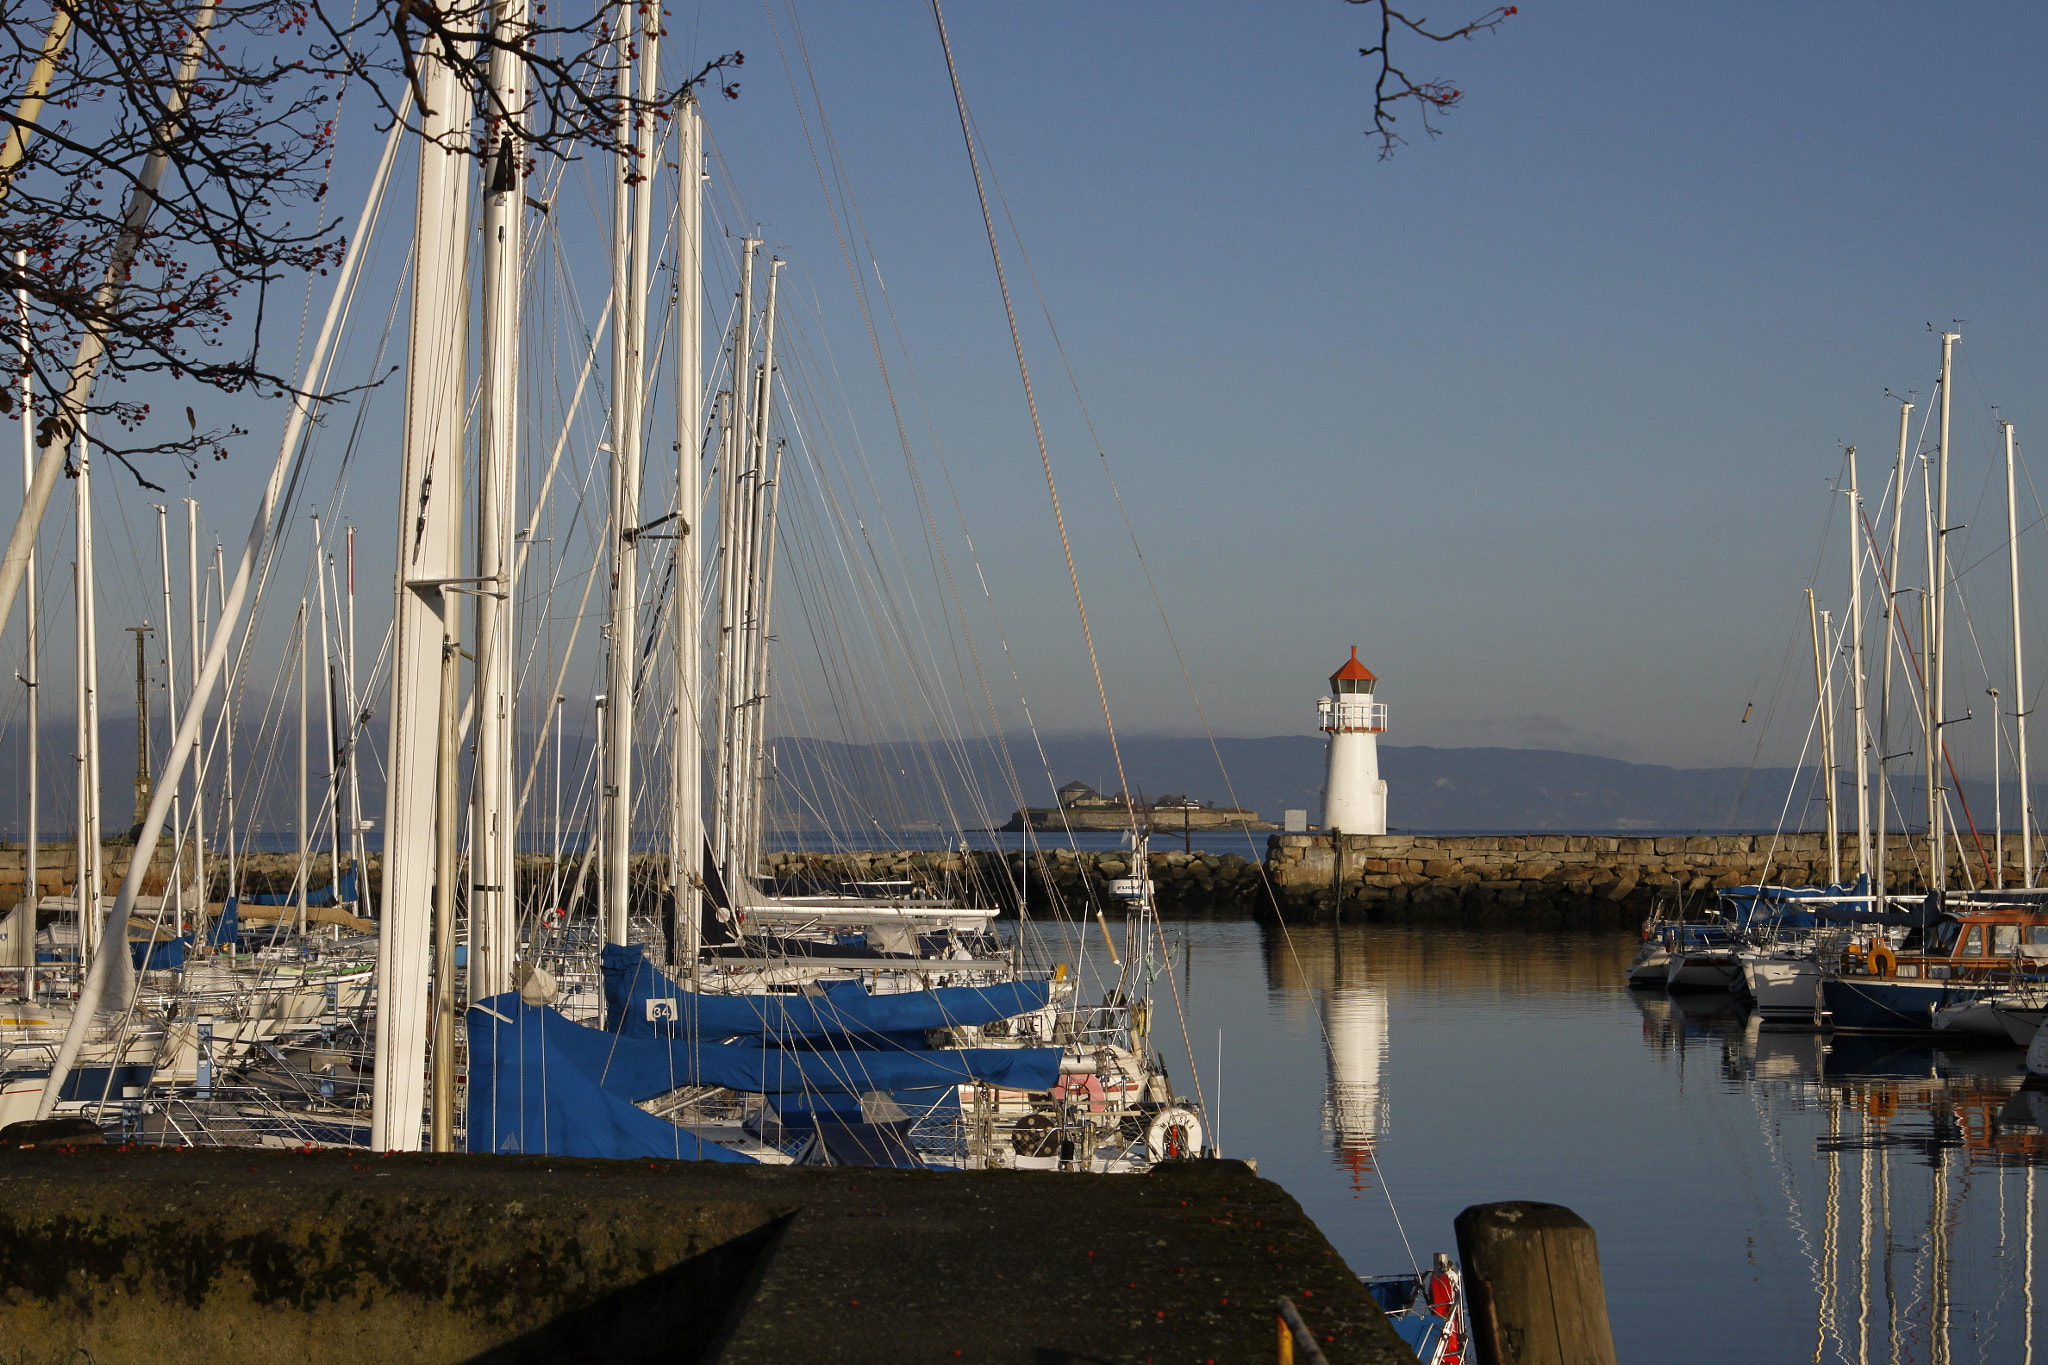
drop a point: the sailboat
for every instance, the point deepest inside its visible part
(627, 1001)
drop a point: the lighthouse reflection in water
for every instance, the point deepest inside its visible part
(1328, 967)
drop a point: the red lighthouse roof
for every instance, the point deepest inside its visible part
(1353, 671)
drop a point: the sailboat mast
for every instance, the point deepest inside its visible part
(631, 227)
(1818, 624)
(2019, 670)
(427, 617)
(31, 679)
(198, 756)
(92, 872)
(686, 845)
(227, 743)
(1859, 698)
(176, 887)
(1937, 653)
(493, 908)
(305, 643)
(330, 803)
(348, 668)
(758, 559)
(1889, 581)
(731, 573)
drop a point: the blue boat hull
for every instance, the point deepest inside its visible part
(1871, 1004)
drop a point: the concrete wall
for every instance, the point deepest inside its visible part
(1589, 878)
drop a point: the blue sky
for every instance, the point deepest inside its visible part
(1542, 414)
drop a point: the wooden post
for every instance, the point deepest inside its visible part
(1532, 1273)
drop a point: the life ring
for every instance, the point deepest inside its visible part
(1175, 1135)
(1091, 1086)
(552, 917)
(1883, 961)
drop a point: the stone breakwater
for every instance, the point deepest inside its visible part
(1576, 878)
(1183, 884)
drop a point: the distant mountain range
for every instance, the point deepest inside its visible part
(1429, 789)
(823, 784)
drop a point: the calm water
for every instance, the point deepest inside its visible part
(1757, 1195)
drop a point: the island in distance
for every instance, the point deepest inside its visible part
(1081, 807)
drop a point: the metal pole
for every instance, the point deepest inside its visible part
(493, 918)
(2019, 670)
(1890, 583)
(227, 745)
(176, 884)
(1860, 696)
(446, 806)
(1937, 646)
(198, 751)
(32, 679)
(330, 799)
(1817, 622)
(428, 615)
(686, 852)
(629, 245)
(305, 834)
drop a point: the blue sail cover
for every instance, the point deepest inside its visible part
(1780, 907)
(845, 1010)
(528, 1094)
(334, 893)
(228, 928)
(641, 1068)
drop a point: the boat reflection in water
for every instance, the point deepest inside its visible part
(1924, 1154)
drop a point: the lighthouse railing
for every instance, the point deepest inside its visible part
(1346, 714)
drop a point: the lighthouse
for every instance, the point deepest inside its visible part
(1354, 797)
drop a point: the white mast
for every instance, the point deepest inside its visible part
(1890, 583)
(632, 210)
(330, 802)
(86, 891)
(756, 567)
(2019, 674)
(1937, 661)
(348, 682)
(198, 753)
(731, 532)
(493, 919)
(233, 883)
(1858, 695)
(1819, 623)
(686, 845)
(305, 643)
(429, 545)
(176, 886)
(32, 679)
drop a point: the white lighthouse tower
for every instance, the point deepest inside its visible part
(1354, 797)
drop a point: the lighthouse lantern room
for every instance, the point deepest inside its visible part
(1354, 797)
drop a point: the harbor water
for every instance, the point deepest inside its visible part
(1758, 1195)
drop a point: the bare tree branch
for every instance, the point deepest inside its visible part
(251, 143)
(1393, 84)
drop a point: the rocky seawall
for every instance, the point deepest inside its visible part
(1577, 878)
(1167, 822)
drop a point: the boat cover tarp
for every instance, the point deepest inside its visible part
(1806, 907)
(165, 956)
(641, 1068)
(228, 928)
(530, 1091)
(334, 893)
(860, 1144)
(845, 1009)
